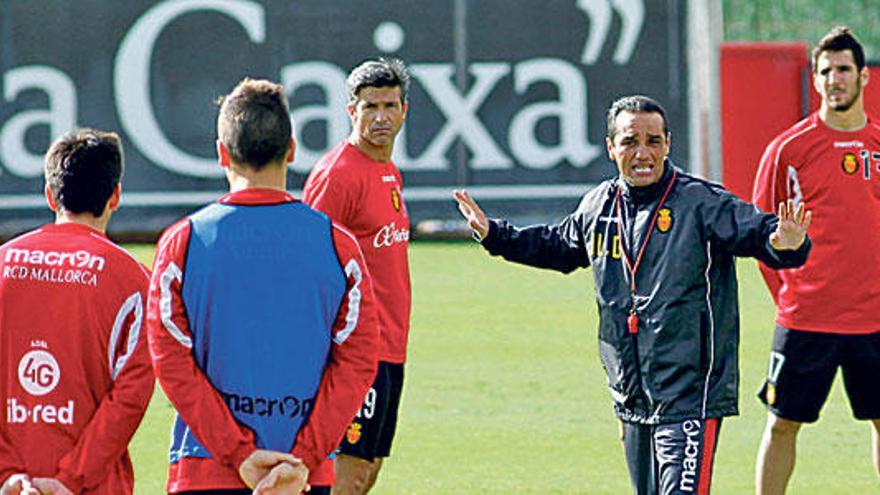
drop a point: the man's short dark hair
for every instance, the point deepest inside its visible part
(840, 38)
(254, 123)
(634, 104)
(82, 168)
(380, 73)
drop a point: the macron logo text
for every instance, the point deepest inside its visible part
(78, 259)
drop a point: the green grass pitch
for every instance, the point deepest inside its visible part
(505, 394)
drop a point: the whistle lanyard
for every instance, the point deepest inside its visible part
(632, 321)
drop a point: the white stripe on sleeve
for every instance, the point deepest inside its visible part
(352, 269)
(172, 272)
(135, 304)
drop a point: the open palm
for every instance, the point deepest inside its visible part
(792, 228)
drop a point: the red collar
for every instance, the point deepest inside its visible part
(257, 196)
(72, 228)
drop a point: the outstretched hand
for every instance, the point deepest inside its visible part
(472, 213)
(792, 228)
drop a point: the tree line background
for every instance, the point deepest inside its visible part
(802, 20)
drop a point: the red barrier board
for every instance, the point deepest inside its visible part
(761, 95)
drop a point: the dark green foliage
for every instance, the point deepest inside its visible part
(802, 20)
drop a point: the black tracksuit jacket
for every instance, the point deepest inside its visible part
(682, 363)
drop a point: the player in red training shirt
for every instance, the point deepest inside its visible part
(358, 185)
(828, 310)
(76, 369)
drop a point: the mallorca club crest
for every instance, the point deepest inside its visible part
(850, 163)
(353, 435)
(395, 199)
(771, 394)
(664, 219)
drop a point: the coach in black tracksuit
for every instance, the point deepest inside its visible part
(662, 245)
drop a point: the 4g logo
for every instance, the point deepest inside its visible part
(38, 372)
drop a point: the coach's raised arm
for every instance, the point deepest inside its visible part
(662, 245)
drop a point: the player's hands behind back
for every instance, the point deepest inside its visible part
(18, 484)
(284, 479)
(50, 486)
(268, 472)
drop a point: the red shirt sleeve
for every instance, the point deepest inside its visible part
(195, 399)
(329, 193)
(10, 462)
(119, 413)
(353, 359)
(771, 188)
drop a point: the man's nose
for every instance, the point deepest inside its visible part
(834, 76)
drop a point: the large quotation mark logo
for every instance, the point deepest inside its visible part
(38, 372)
(632, 16)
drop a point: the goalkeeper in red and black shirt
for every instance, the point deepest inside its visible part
(76, 375)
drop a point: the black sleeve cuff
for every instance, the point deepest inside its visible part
(491, 238)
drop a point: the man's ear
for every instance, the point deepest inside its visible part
(115, 198)
(222, 155)
(50, 198)
(865, 76)
(291, 150)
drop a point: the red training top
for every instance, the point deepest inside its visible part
(837, 175)
(76, 368)
(366, 197)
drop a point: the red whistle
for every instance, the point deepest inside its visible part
(632, 321)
